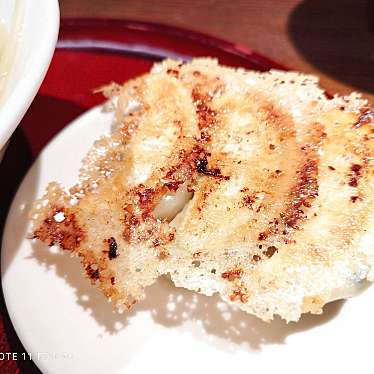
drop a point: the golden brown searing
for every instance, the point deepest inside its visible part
(253, 185)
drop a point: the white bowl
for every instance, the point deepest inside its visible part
(32, 29)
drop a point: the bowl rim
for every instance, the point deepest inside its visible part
(12, 110)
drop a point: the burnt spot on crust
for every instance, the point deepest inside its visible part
(112, 281)
(205, 136)
(201, 164)
(67, 233)
(331, 168)
(353, 182)
(354, 175)
(248, 200)
(269, 252)
(170, 237)
(255, 258)
(207, 117)
(366, 117)
(356, 168)
(112, 248)
(130, 223)
(93, 274)
(302, 195)
(355, 198)
(146, 195)
(262, 235)
(183, 170)
(233, 274)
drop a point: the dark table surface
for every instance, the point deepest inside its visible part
(331, 38)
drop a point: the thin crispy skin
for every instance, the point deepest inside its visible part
(280, 221)
(121, 181)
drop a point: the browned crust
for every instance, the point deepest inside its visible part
(68, 234)
(194, 162)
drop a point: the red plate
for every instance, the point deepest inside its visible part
(91, 53)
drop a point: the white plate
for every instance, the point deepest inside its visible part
(68, 327)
